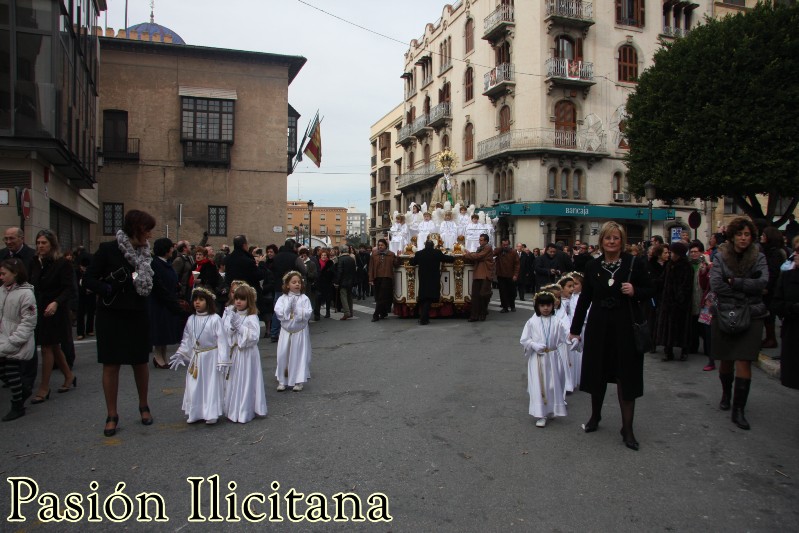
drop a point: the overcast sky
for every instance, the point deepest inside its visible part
(351, 76)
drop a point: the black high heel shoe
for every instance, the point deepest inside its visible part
(146, 421)
(592, 425)
(41, 399)
(630, 442)
(68, 388)
(112, 431)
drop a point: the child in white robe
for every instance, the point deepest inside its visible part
(413, 219)
(426, 227)
(472, 233)
(245, 395)
(204, 351)
(448, 231)
(541, 336)
(576, 352)
(565, 313)
(565, 367)
(398, 235)
(294, 311)
(463, 220)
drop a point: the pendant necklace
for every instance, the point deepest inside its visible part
(612, 269)
(546, 325)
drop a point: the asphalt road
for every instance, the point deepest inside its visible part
(435, 419)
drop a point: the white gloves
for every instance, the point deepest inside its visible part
(235, 321)
(176, 361)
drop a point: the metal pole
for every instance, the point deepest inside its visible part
(650, 222)
(310, 225)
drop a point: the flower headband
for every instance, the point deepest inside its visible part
(204, 291)
(289, 275)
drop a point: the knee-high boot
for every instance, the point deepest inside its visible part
(726, 390)
(771, 337)
(739, 402)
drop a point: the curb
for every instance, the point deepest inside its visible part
(768, 365)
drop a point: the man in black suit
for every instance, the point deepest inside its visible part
(14, 239)
(241, 265)
(429, 262)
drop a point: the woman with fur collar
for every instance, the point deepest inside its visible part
(739, 274)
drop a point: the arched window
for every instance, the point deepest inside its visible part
(426, 153)
(444, 142)
(497, 186)
(565, 123)
(552, 182)
(427, 105)
(504, 119)
(410, 161)
(468, 84)
(577, 184)
(617, 183)
(628, 63)
(509, 185)
(444, 93)
(468, 142)
(502, 54)
(564, 183)
(468, 36)
(463, 191)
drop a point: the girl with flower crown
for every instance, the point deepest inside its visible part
(204, 350)
(294, 311)
(541, 338)
(245, 395)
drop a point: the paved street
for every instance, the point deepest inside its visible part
(436, 419)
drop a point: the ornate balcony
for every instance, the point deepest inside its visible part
(499, 80)
(497, 23)
(670, 31)
(540, 141)
(570, 13)
(419, 174)
(569, 73)
(419, 126)
(404, 137)
(440, 114)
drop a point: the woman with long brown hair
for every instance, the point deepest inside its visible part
(52, 280)
(122, 276)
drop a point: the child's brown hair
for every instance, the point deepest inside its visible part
(288, 277)
(247, 293)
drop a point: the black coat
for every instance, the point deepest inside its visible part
(609, 353)
(26, 254)
(525, 268)
(674, 307)
(117, 292)
(429, 262)
(785, 304)
(165, 313)
(543, 266)
(285, 261)
(240, 265)
(346, 271)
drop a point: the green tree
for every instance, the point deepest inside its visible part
(716, 115)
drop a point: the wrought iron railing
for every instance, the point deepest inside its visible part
(404, 133)
(575, 9)
(419, 124)
(420, 173)
(671, 31)
(441, 111)
(502, 14)
(120, 148)
(569, 68)
(541, 138)
(497, 75)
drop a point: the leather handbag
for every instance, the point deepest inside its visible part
(734, 317)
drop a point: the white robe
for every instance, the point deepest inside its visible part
(203, 348)
(426, 227)
(540, 338)
(294, 345)
(414, 220)
(462, 222)
(245, 395)
(399, 237)
(449, 234)
(564, 314)
(472, 233)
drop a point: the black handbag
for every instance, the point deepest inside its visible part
(641, 331)
(734, 318)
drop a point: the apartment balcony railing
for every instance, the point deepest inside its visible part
(121, 149)
(440, 114)
(570, 12)
(499, 79)
(419, 126)
(671, 31)
(418, 174)
(374, 160)
(404, 136)
(498, 22)
(541, 139)
(570, 69)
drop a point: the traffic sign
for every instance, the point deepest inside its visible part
(25, 200)
(694, 219)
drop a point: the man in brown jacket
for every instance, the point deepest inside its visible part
(483, 260)
(507, 263)
(381, 276)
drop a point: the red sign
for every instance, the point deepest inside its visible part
(26, 203)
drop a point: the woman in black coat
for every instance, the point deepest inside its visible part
(674, 308)
(166, 314)
(327, 271)
(53, 285)
(657, 267)
(614, 285)
(785, 304)
(121, 275)
(771, 243)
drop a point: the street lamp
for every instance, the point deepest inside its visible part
(310, 220)
(650, 193)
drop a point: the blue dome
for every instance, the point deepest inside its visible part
(153, 28)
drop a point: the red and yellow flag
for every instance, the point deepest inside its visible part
(314, 147)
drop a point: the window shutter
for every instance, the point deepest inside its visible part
(641, 8)
(618, 12)
(579, 49)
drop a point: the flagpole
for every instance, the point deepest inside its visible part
(308, 129)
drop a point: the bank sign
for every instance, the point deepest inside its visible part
(559, 210)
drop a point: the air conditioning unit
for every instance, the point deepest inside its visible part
(621, 197)
(496, 197)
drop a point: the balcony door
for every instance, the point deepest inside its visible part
(444, 94)
(568, 48)
(115, 132)
(565, 124)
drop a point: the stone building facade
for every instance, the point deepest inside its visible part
(387, 167)
(327, 225)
